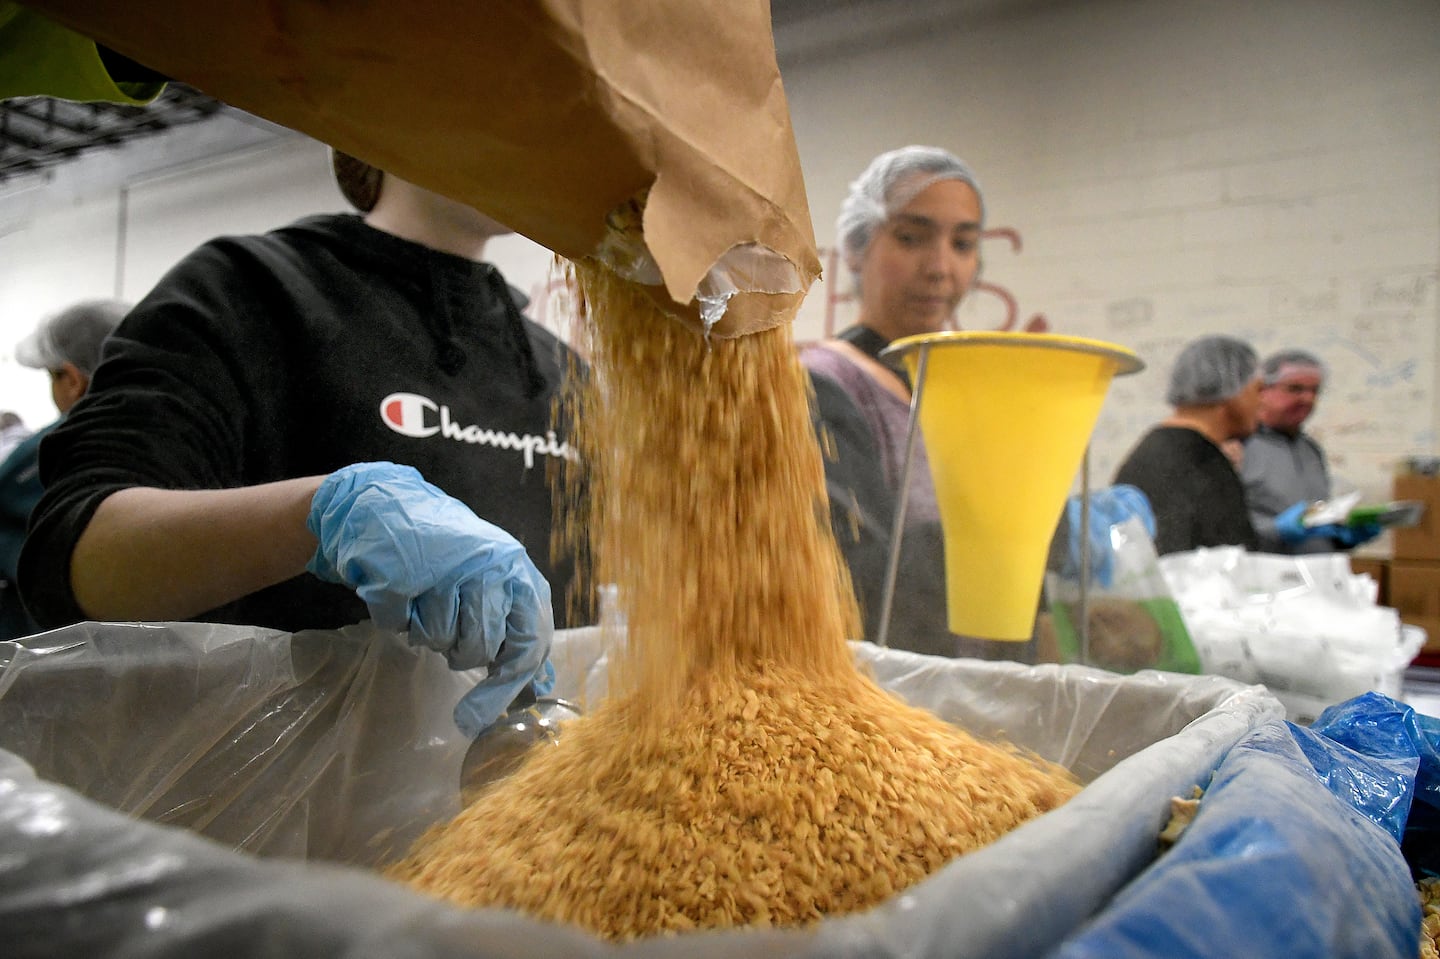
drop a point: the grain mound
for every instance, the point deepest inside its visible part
(742, 771)
(773, 800)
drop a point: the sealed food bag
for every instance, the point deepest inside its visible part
(1132, 618)
(652, 134)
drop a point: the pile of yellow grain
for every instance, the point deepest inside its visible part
(776, 800)
(742, 772)
(1429, 890)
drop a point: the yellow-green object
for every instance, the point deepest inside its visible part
(39, 57)
(1006, 418)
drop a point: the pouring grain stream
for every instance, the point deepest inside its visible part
(742, 771)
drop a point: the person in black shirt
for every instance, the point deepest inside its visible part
(1193, 488)
(66, 345)
(236, 459)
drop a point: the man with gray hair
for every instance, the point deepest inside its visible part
(67, 345)
(1179, 465)
(1284, 469)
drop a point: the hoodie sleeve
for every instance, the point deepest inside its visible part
(167, 408)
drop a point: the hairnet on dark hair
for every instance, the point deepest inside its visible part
(73, 335)
(358, 180)
(892, 180)
(1211, 369)
(1276, 363)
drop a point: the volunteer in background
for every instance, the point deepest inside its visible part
(1180, 466)
(236, 459)
(1284, 469)
(12, 431)
(67, 346)
(909, 232)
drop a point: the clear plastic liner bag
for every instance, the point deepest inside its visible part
(274, 743)
(1275, 864)
(1305, 626)
(1295, 849)
(358, 724)
(78, 879)
(1132, 619)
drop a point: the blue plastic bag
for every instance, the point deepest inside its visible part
(1387, 725)
(1295, 849)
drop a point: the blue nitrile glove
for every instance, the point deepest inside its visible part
(1351, 536)
(1108, 507)
(1290, 524)
(424, 562)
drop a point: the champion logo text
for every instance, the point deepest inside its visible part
(410, 414)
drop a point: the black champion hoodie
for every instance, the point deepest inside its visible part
(318, 345)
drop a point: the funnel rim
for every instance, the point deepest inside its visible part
(1126, 359)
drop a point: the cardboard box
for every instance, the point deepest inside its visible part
(1415, 594)
(1378, 569)
(1421, 541)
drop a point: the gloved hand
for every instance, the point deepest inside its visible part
(1108, 507)
(424, 562)
(1290, 524)
(1351, 536)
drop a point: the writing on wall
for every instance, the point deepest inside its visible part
(1375, 333)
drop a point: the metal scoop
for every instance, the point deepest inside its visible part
(499, 749)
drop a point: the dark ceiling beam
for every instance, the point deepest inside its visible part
(40, 131)
(48, 115)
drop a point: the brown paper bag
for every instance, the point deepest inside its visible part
(547, 115)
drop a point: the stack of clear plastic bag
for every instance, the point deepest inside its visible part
(1305, 626)
(1132, 621)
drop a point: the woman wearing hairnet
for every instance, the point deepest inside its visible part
(909, 232)
(1192, 485)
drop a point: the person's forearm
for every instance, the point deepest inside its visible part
(151, 554)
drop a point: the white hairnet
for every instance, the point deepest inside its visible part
(890, 181)
(74, 335)
(1211, 370)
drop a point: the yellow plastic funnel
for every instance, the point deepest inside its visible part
(1005, 418)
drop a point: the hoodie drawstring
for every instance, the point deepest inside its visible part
(529, 366)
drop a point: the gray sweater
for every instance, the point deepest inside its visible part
(1280, 471)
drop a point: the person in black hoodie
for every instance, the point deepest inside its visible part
(236, 458)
